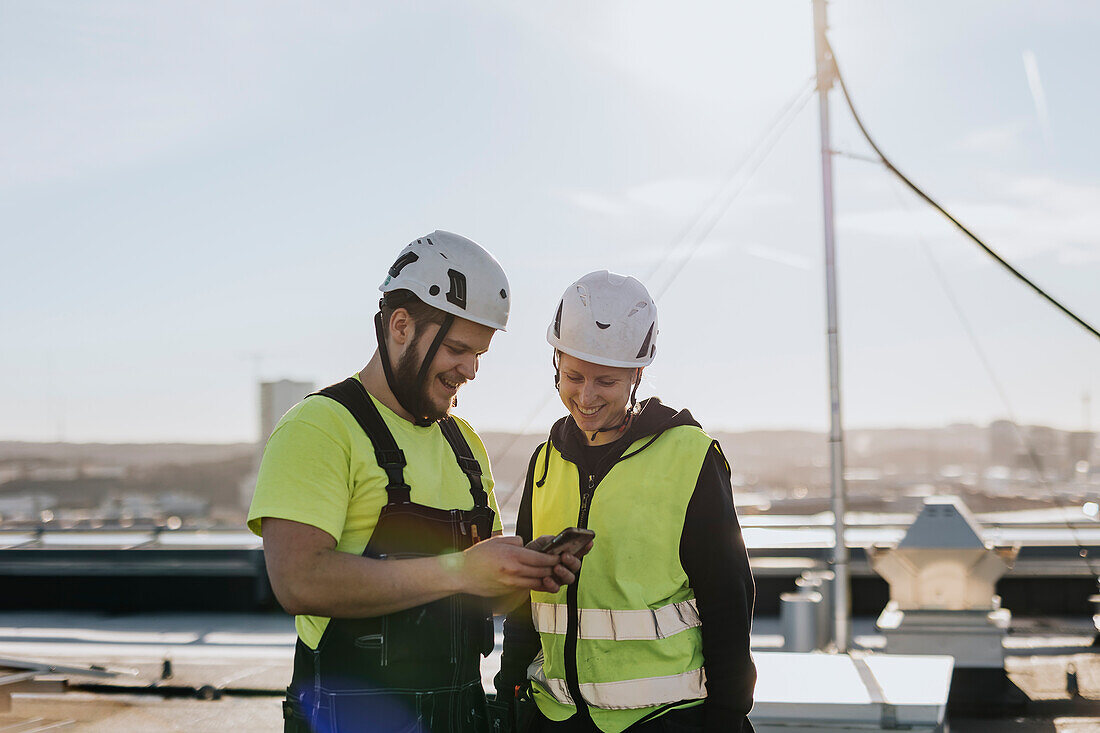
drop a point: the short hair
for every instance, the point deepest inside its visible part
(418, 310)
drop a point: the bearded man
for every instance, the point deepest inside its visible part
(377, 513)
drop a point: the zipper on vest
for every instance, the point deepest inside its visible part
(572, 678)
(586, 500)
(587, 488)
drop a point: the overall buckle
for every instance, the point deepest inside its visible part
(389, 459)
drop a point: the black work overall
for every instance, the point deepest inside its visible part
(416, 670)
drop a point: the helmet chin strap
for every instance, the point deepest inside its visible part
(628, 418)
(429, 357)
(387, 369)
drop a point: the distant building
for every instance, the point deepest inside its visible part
(54, 473)
(1082, 443)
(1044, 452)
(275, 399)
(1004, 443)
(100, 471)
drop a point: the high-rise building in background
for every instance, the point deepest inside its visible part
(1081, 446)
(275, 399)
(1045, 452)
(1004, 443)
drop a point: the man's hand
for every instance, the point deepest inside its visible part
(565, 572)
(501, 565)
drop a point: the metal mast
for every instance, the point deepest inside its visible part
(841, 588)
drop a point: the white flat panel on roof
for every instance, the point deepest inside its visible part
(805, 537)
(96, 539)
(836, 690)
(98, 635)
(787, 537)
(15, 539)
(244, 540)
(1042, 535)
(819, 537)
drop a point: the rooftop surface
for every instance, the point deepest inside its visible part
(241, 662)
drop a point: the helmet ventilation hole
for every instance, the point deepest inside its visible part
(645, 344)
(404, 260)
(457, 293)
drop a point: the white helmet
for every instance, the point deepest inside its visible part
(606, 319)
(455, 275)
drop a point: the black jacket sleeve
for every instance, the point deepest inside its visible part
(521, 641)
(713, 554)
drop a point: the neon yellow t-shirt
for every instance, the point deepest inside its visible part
(319, 468)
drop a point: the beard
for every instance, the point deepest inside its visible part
(412, 395)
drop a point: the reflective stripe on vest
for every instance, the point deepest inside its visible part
(630, 694)
(602, 623)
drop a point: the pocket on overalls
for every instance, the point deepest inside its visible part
(370, 642)
(422, 635)
(478, 634)
(525, 711)
(389, 711)
(474, 711)
(477, 719)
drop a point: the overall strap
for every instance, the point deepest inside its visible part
(466, 460)
(353, 396)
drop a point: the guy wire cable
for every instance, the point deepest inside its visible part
(751, 161)
(1033, 458)
(806, 90)
(928, 199)
(502, 502)
(957, 307)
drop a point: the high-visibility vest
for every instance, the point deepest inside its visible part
(639, 642)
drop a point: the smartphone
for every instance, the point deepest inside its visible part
(571, 540)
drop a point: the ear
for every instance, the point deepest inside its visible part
(402, 328)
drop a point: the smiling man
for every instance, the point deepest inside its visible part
(377, 513)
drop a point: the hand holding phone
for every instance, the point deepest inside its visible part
(570, 539)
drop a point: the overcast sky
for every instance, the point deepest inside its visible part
(194, 197)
